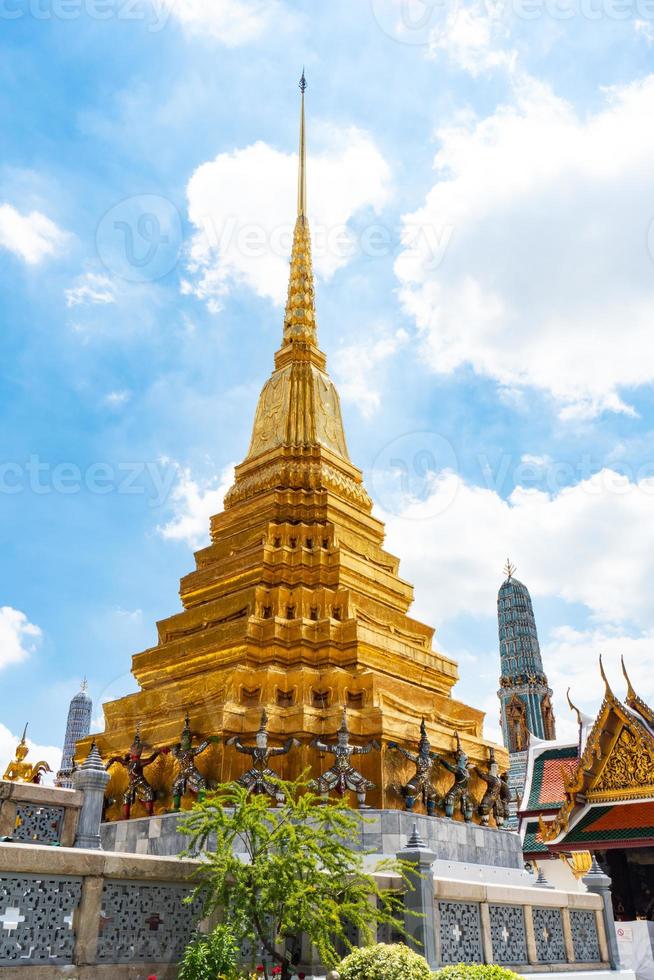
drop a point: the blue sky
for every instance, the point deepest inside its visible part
(481, 195)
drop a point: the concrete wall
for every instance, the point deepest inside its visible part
(89, 914)
(68, 912)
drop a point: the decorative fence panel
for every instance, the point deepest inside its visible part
(548, 929)
(460, 933)
(508, 935)
(144, 922)
(37, 823)
(36, 915)
(585, 940)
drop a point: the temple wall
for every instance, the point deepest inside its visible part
(120, 913)
(91, 914)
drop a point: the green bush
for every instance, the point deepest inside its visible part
(210, 957)
(476, 971)
(384, 962)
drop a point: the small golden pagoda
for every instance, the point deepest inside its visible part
(294, 606)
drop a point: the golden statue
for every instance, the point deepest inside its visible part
(19, 771)
(295, 607)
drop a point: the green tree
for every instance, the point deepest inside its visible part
(303, 873)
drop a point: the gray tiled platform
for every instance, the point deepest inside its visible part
(384, 832)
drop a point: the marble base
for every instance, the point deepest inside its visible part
(384, 832)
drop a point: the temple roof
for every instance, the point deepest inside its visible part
(544, 789)
(613, 825)
(608, 793)
(532, 841)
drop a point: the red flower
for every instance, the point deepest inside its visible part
(152, 976)
(260, 968)
(276, 970)
(301, 976)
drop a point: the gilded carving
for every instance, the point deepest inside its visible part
(630, 765)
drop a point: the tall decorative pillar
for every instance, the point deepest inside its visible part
(524, 693)
(420, 927)
(78, 726)
(599, 883)
(92, 779)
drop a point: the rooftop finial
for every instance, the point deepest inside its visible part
(509, 569)
(84, 685)
(302, 170)
(630, 688)
(608, 693)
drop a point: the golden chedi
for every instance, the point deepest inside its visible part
(294, 607)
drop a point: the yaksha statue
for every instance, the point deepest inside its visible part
(189, 776)
(138, 788)
(19, 771)
(342, 775)
(458, 795)
(260, 778)
(420, 784)
(497, 797)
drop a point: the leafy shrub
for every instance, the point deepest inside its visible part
(385, 962)
(476, 971)
(210, 957)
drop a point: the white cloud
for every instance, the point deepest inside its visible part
(357, 368)
(37, 753)
(645, 29)
(571, 657)
(92, 289)
(471, 37)
(538, 462)
(114, 399)
(18, 637)
(547, 277)
(31, 236)
(243, 205)
(231, 22)
(592, 543)
(193, 505)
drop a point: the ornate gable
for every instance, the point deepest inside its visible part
(628, 772)
(617, 762)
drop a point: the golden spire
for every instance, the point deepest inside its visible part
(300, 316)
(302, 169)
(509, 569)
(299, 412)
